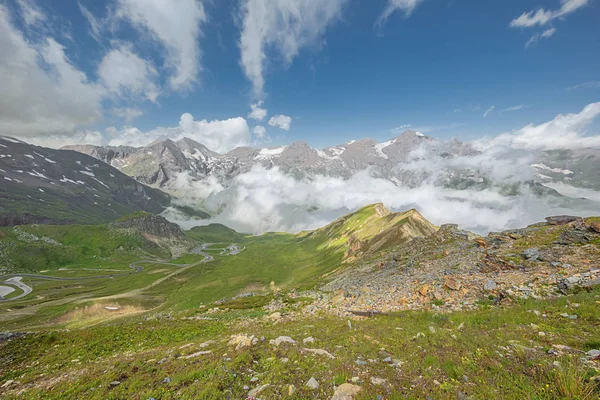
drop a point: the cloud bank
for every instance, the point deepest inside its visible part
(498, 194)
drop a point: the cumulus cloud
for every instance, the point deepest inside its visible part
(263, 200)
(219, 135)
(405, 6)
(538, 36)
(124, 73)
(258, 113)
(259, 131)
(128, 113)
(176, 25)
(542, 16)
(280, 28)
(489, 111)
(269, 199)
(43, 91)
(282, 121)
(566, 131)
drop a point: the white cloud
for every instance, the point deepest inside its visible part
(280, 28)
(126, 74)
(566, 131)
(57, 140)
(586, 85)
(542, 16)
(399, 129)
(544, 35)
(128, 113)
(42, 91)
(515, 108)
(259, 131)
(258, 113)
(282, 121)
(96, 26)
(32, 15)
(488, 111)
(405, 6)
(218, 135)
(176, 25)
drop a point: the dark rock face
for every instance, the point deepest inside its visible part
(152, 224)
(562, 219)
(41, 185)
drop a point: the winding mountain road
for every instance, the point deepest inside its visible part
(15, 279)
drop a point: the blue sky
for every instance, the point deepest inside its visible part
(337, 68)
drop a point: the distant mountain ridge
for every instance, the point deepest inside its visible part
(161, 162)
(158, 163)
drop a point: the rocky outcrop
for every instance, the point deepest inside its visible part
(452, 269)
(151, 224)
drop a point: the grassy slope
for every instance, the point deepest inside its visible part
(270, 262)
(89, 246)
(286, 260)
(491, 349)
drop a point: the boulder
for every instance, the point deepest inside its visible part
(346, 391)
(282, 339)
(451, 283)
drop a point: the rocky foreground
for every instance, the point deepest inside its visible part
(454, 269)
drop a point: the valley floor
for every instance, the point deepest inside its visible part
(243, 349)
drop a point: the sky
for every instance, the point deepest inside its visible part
(269, 72)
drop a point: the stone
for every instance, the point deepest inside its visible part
(193, 355)
(241, 341)
(388, 360)
(424, 290)
(591, 284)
(451, 283)
(282, 339)
(562, 219)
(167, 380)
(257, 390)
(461, 396)
(291, 390)
(312, 383)
(307, 340)
(531, 254)
(320, 352)
(254, 379)
(490, 285)
(276, 316)
(114, 384)
(360, 362)
(431, 329)
(593, 353)
(346, 391)
(377, 381)
(7, 383)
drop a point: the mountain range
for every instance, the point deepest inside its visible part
(406, 160)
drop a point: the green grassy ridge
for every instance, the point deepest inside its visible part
(483, 345)
(270, 262)
(216, 233)
(77, 246)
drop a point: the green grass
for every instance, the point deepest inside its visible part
(491, 348)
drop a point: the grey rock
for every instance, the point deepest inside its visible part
(490, 285)
(312, 383)
(531, 254)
